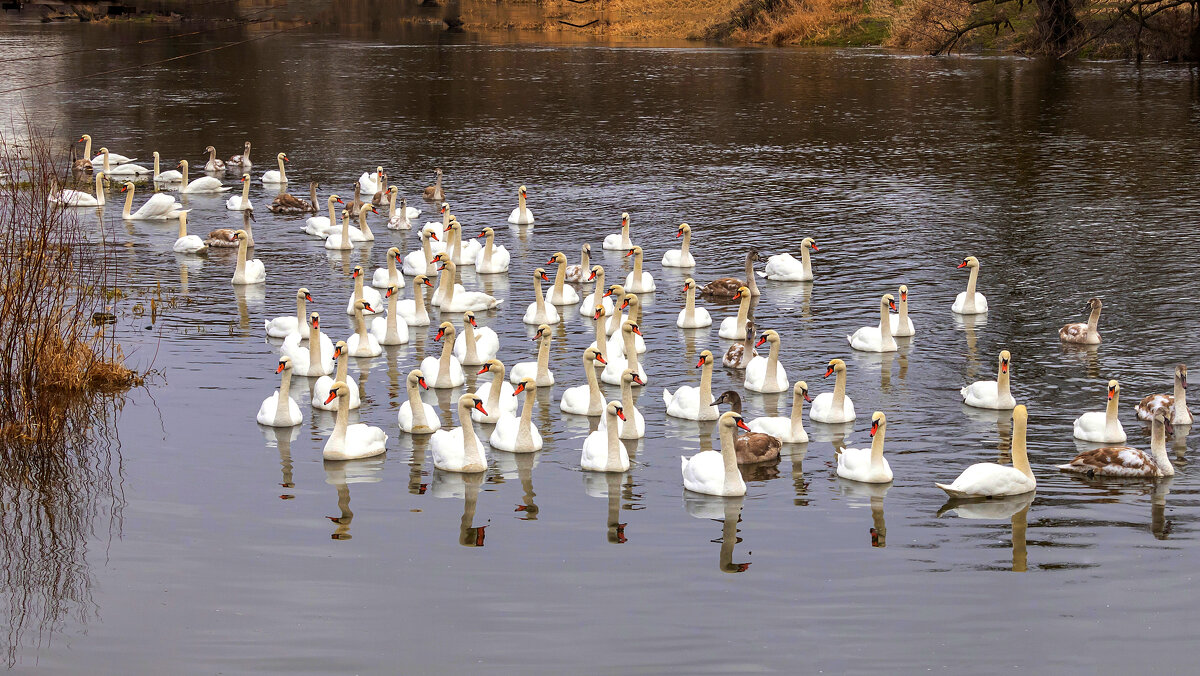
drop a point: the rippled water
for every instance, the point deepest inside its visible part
(1066, 181)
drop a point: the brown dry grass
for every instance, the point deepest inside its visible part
(801, 21)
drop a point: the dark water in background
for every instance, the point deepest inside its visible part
(1067, 182)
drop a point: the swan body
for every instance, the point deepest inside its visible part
(324, 385)
(521, 215)
(1102, 426)
(602, 452)
(992, 394)
(992, 480)
(415, 416)
(867, 464)
(638, 281)
(188, 244)
(389, 276)
(446, 371)
(241, 202)
(739, 355)
(279, 409)
(619, 241)
(970, 302)
(312, 361)
(458, 449)
(362, 343)
(788, 430)
(371, 182)
(519, 435)
(537, 370)
(351, 442)
(159, 207)
(240, 163)
(785, 268)
(876, 338)
(694, 403)
(276, 176)
(767, 374)
(247, 271)
(413, 311)
(727, 287)
(578, 273)
(204, 184)
(734, 328)
(1175, 403)
(213, 165)
(560, 294)
(476, 344)
(1126, 461)
(435, 191)
(169, 176)
(492, 258)
(420, 262)
(692, 317)
(833, 407)
(713, 472)
(78, 198)
(585, 399)
(318, 226)
(539, 311)
(681, 257)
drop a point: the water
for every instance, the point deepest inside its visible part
(1067, 181)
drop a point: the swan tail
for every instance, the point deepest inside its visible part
(667, 397)
(951, 491)
(965, 391)
(761, 274)
(683, 463)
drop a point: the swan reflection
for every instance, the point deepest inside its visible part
(282, 438)
(608, 485)
(519, 466)
(340, 474)
(873, 494)
(465, 486)
(729, 512)
(1015, 508)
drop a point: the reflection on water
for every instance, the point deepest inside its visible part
(340, 475)
(874, 495)
(729, 512)
(457, 485)
(1014, 508)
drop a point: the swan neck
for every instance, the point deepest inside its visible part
(156, 171)
(1110, 411)
(805, 262)
(283, 406)
(885, 322)
(706, 384)
(637, 269)
(343, 419)
(343, 365)
(245, 193)
(729, 454)
(1002, 385)
(360, 326)
(903, 313)
(689, 302)
(1180, 395)
(301, 304)
(332, 219)
(839, 391)
(560, 278)
(630, 345)
(1158, 447)
(241, 258)
(750, 283)
(686, 246)
(971, 280)
(773, 361)
(128, 203)
(99, 189)
(1020, 457)
(538, 297)
(877, 448)
(186, 179)
(595, 396)
(471, 456)
(598, 294)
(613, 464)
(416, 405)
(743, 312)
(585, 260)
(447, 353)
(1093, 321)
(494, 395)
(797, 418)
(282, 172)
(626, 243)
(182, 227)
(543, 359)
(345, 244)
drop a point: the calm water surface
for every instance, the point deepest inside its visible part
(1066, 182)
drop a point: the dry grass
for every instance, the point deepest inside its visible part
(800, 21)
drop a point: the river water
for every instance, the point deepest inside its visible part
(233, 548)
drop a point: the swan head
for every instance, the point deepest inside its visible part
(282, 156)
(614, 408)
(878, 422)
(209, 149)
(630, 327)
(315, 320)
(469, 401)
(1114, 388)
(494, 366)
(442, 260)
(540, 274)
(340, 348)
(598, 312)
(801, 389)
(437, 171)
(903, 293)
(689, 284)
(415, 377)
(391, 291)
(334, 199)
(444, 208)
(624, 219)
(749, 327)
(1005, 358)
(635, 251)
(768, 335)
(155, 154)
(683, 227)
(303, 293)
(469, 318)
(393, 252)
(339, 389)
(104, 151)
(367, 207)
(543, 331)
(742, 291)
(127, 186)
(631, 376)
(445, 329)
(526, 384)
(363, 306)
(615, 290)
(1181, 375)
(969, 262)
(1021, 416)
(240, 235)
(592, 354)
(245, 178)
(706, 358)
(889, 300)
(85, 137)
(559, 258)
(487, 232)
(182, 165)
(522, 191)
(809, 243)
(835, 365)
(422, 279)
(586, 248)
(357, 272)
(285, 364)
(1163, 417)
(731, 419)
(597, 271)
(732, 398)
(1094, 304)
(246, 145)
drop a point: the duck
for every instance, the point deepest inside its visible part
(579, 272)
(602, 452)
(993, 480)
(371, 182)
(970, 302)
(420, 262)
(392, 329)
(214, 165)
(833, 407)
(1084, 333)
(739, 355)
(638, 281)
(445, 372)
(362, 343)
(159, 207)
(415, 416)
(493, 258)
(224, 237)
(371, 295)
(187, 244)
(282, 327)
(324, 384)
(276, 176)
(458, 449)
(901, 324)
(692, 317)
(389, 276)
(585, 399)
(992, 394)
(240, 163)
(518, 435)
(241, 202)
(867, 465)
(681, 257)
(319, 226)
(521, 215)
(785, 268)
(1176, 402)
(413, 311)
(498, 396)
(599, 296)
(694, 403)
(279, 409)
(537, 370)
(457, 299)
(247, 271)
(876, 338)
(435, 192)
(168, 176)
(734, 328)
(619, 241)
(204, 184)
(560, 294)
(713, 472)
(476, 344)
(617, 363)
(312, 361)
(789, 430)
(767, 375)
(78, 198)
(1102, 426)
(727, 287)
(1126, 461)
(752, 447)
(634, 424)
(286, 203)
(351, 442)
(539, 311)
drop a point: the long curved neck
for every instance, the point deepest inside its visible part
(156, 171)
(183, 233)
(631, 354)
(1020, 457)
(595, 396)
(332, 216)
(392, 205)
(444, 362)
(360, 326)
(601, 336)
(1180, 394)
(626, 243)
(358, 287)
(637, 268)
(613, 463)
(743, 312)
(449, 274)
(100, 188)
(805, 262)
(455, 242)
(520, 198)
(416, 405)
(106, 168)
(241, 260)
(362, 223)
(488, 243)
(469, 342)
(446, 221)
(585, 260)
(494, 396)
(343, 419)
(427, 251)
(345, 241)
(685, 247)
(393, 274)
(1158, 447)
(903, 318)
(839, 391)
(1110, 412)
(706, 383)
(282, 172)
(543, 358)
(343, 362)
(314, 344)
(537, 295)
(560, 278)
(128, 203)
(470, 443)
(729, 454)
(245, 192)
(212, 157)
(797, 418)
(747, 346)
(184, 172)
(885, 322)
(971, 281)
(283, 406)
(87, 149)
(689, 302)
(627, 395)
(877, 448)
(246, 155)
(419, 299)
(1093, 321)
(393, 329)
(301, 304)
(773, 364)
(750, 283)
(312, 195)
(1002, 388)
(598, 294)
(525, 428)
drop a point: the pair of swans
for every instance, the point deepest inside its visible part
(785, 268)
(159, 207)
(351, 442)
(86, 139)
(122, 167)
(319, 226)
(343, 237)
(497, 395)
(692, 317)
(476, 344)
(877, 338)
(315, 360)
(400, 218)
(992, 394)
(716, 472)
(993, 480)
(1175, 403)
(521, 215)
(455, 298)
(1126, 461)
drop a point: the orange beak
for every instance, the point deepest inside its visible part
(332, 396)
(620, 414)
(367, 307)
(434, 237)
(762, 340)
(806, 397)
(421, 382)
(629, 254)
(389, 293)
(742, 424)
(339, 201)
(280, 369)
(874, 427)
(962, 264)
(1110, 394)
(700, 363)
(440, 333)
(636, 329)
(815, 247)
(638, 379)
(472, 320)
(1004, 367)
(828, 373)
(428, 283)
(892, 304)
(600, 358)
(337, 352)
(308, 297)
(485, 369)
(592, 276)
(479, 407)
(520, 389)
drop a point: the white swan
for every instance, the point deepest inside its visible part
(1086, 333)
(279, 409)
(400, 219)
(476, 344)
(537, 370)
(343, 237)
(788, 430)
(324, 384)
(492, 258)
(766, 374)
(713, 472)
(992, 480)
(585, 399)
(276, 176)
(638, 281)
(415, 416)
(681, 257)
(521, 215)
(240, 163)
(1127, 461)
(462, 253)
(350, 442)
(833, 407)
(867, 464)
(319, 225)
(247, 271)
(213, 165)
(436, 227)
(458, 449)
(518, 435)
(602, 452)
(120, 167)
(628, 359)
(497, 395)
(633, 426)
(1102, 426)
(413, 311)
(540, 312)
(311, 361)
(78, 198)
(734, 328)
(695, 403)
(282, 327)
(362, 343)
(692, 317)
(461, 300)
(617, 344)
(1175, 403)
(619, 241)
(598, 296)
(785, 268)
(204, 184)
(420, 262)
(188, 244)
(993, 394)
(970, 302)
(560, 294)
(371, 182)
(86, 139)
(446, 371)
(389, 276)
(901, 324)
(876, 338)
(241, 202)
(168, 176)
(392, 329)
(367, 293)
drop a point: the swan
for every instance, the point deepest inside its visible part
(785, 268)
(752, 447)
(371, 183)
(602, 452)
(392, 329)
(242, 201)
(1175, 402)
(739, 355)
(286, 203)
(601, 342)
(633, 426)
(400, 219)
(638, 281)
(585, 399)
(497, 395)
(240, 163)
(727, 287)
(204, 184)
(560, 294)
(188, 244)
(324, 384)
(383, 195)
(579, 273)
(447, 371)
(539, 312)
(369, 294)
(86, 139)
(413, 311)
(78, 198)
(537, 370)
(362, 343)
(247, 271)
(598, 296)
(279, 409)
(518, 435)
(168, 176)
(713, 472)
(867, 464)
(351, 442)
(276, 176)
(970, 302)
(319, 225)
(1102, 426)
(692, 403)
(833, 407)
(901, 324)
(492, 258)
(475, 345)
(993, 394)
(992, 480)
(342, 237)
(457, 299)
(628, 301)
(214, 165)
(282, 327)
(692, 317)
(620, 241)
(462, 253)
(876, 338)
(384, 278)
(308, 361)
(122, 168)
(436, 227)
(628, 359)
(521, 215)
(788, 430)
(1084, 334)
(435, 192)
(415, 416)
(1127, 461)
(734, 328)
(458, 449)
(420, 262)
(767, 374)
(681, 257)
